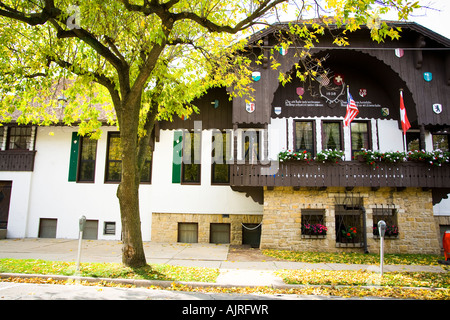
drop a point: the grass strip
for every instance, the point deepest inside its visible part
(110, 270)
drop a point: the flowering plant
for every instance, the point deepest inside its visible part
(314, 229)
(330, 155)
(436, 157)
(391, 230)
(372, 156)
(349, 233)
(294, 155)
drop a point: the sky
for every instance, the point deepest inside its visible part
(437, 19)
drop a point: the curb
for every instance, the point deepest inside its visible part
(138, 283)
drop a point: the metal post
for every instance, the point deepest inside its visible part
(82, 223)
(381, 230)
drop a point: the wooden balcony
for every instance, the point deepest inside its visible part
(343, 174)
(17, 160)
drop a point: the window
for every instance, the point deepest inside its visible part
(313, 222)
(348, 221)
(413, 141)
(191, 168)
(47, 228)
(88, 151)
(440, 141)
(360, 136)
(146, 171)
(389, 216)
(331, 135)
(187, 232)
(114, 161)
(19, 138)
(220, 169)
(251, 139)
(109, 228)
(219, 233)
(304, 136)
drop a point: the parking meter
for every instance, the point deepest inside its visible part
(82, 223)
(382, 228)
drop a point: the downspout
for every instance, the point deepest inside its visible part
(365, 230)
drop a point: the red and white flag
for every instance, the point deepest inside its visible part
(403, 117)
(352, 109)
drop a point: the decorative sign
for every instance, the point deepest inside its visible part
(437, 108)
(250, 107)
(332, 94)
(399, 52)
(277, 110)
(338, 79)
(384, 112)
(300, 91)
(428, 76)
(363, 92)
(283, 51)
(256, 75)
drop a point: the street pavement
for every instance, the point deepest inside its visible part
(232, 273)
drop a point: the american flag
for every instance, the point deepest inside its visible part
(352, 110)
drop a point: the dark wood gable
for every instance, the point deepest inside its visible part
(215, 112)
(374, 73)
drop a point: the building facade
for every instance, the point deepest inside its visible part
(216, 176)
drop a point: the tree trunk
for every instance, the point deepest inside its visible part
(128, 193)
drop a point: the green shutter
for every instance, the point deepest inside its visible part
(176, 163)
(73, 165)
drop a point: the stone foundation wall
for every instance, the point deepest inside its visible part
(165, 225)
(281, 228)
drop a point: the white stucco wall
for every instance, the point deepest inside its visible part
(52, 196)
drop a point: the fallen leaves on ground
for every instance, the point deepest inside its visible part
(353, 257)
(365, 278)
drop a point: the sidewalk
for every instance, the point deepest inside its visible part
(232, 273)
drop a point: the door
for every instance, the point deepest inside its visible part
(251, 234)
(5, 197)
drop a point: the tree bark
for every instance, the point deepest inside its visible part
(128, 191)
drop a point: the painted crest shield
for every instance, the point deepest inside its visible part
(363, 92)
(250, 107)
(277, 110)
(338, 79)
(256, 75)
(300, 91)
(437, 108)
(428, 76)
(399, 53)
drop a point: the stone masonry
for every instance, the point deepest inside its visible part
(165, 225)
(281, 228)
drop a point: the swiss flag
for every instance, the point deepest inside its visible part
(404, 118)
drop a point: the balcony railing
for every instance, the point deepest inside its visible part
(17, 160)
(342, 174)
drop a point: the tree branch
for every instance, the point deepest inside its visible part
(100, 79)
